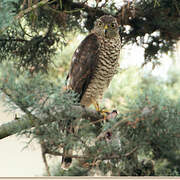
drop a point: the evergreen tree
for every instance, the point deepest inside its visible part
(35, 51)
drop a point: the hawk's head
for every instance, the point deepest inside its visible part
(106, 26)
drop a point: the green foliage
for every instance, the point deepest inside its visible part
(163, 169)
(8, 11)
(149, 136)
(33, 53)
(152, 108)
(153, 25)
(157, 29)
(144, 138)
(151, 132)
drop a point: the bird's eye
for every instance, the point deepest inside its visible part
(113, 25)
(99, 23)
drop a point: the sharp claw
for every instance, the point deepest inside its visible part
(106, 114)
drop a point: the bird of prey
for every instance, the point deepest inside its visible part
(94, 64)
(95, 61)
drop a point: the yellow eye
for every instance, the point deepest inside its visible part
(113, 25)
(99, 23)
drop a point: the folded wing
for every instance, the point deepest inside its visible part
(83, 64)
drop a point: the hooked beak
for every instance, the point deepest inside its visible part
(105, 28)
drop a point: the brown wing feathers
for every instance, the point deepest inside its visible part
(83, 64)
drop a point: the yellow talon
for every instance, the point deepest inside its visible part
(103, 111)
(96, 105)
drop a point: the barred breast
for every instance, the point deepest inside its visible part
(107, 64)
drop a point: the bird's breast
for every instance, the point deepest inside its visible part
(107, 64)
(108, 55)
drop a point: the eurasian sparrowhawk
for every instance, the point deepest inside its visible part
(95, 61)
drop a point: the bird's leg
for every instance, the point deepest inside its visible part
(104, 112)
(96, 105)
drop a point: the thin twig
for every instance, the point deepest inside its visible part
(21, 106)
(23, 4)
(10, 39)
(24, 31)
(23, 12)
(131, 152)
(35, 6)
(73, 11)
(103, 5)
(85, 2)
(55, 153)
(119, 123)
(94, 122)
(29, 3)
(60, 2)
(176, 5)
(43, 151)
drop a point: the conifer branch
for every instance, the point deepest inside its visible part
(131, 152)
(119, 123)
(29, 9)
(55, 153)
(45, 160)
(29, 121)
